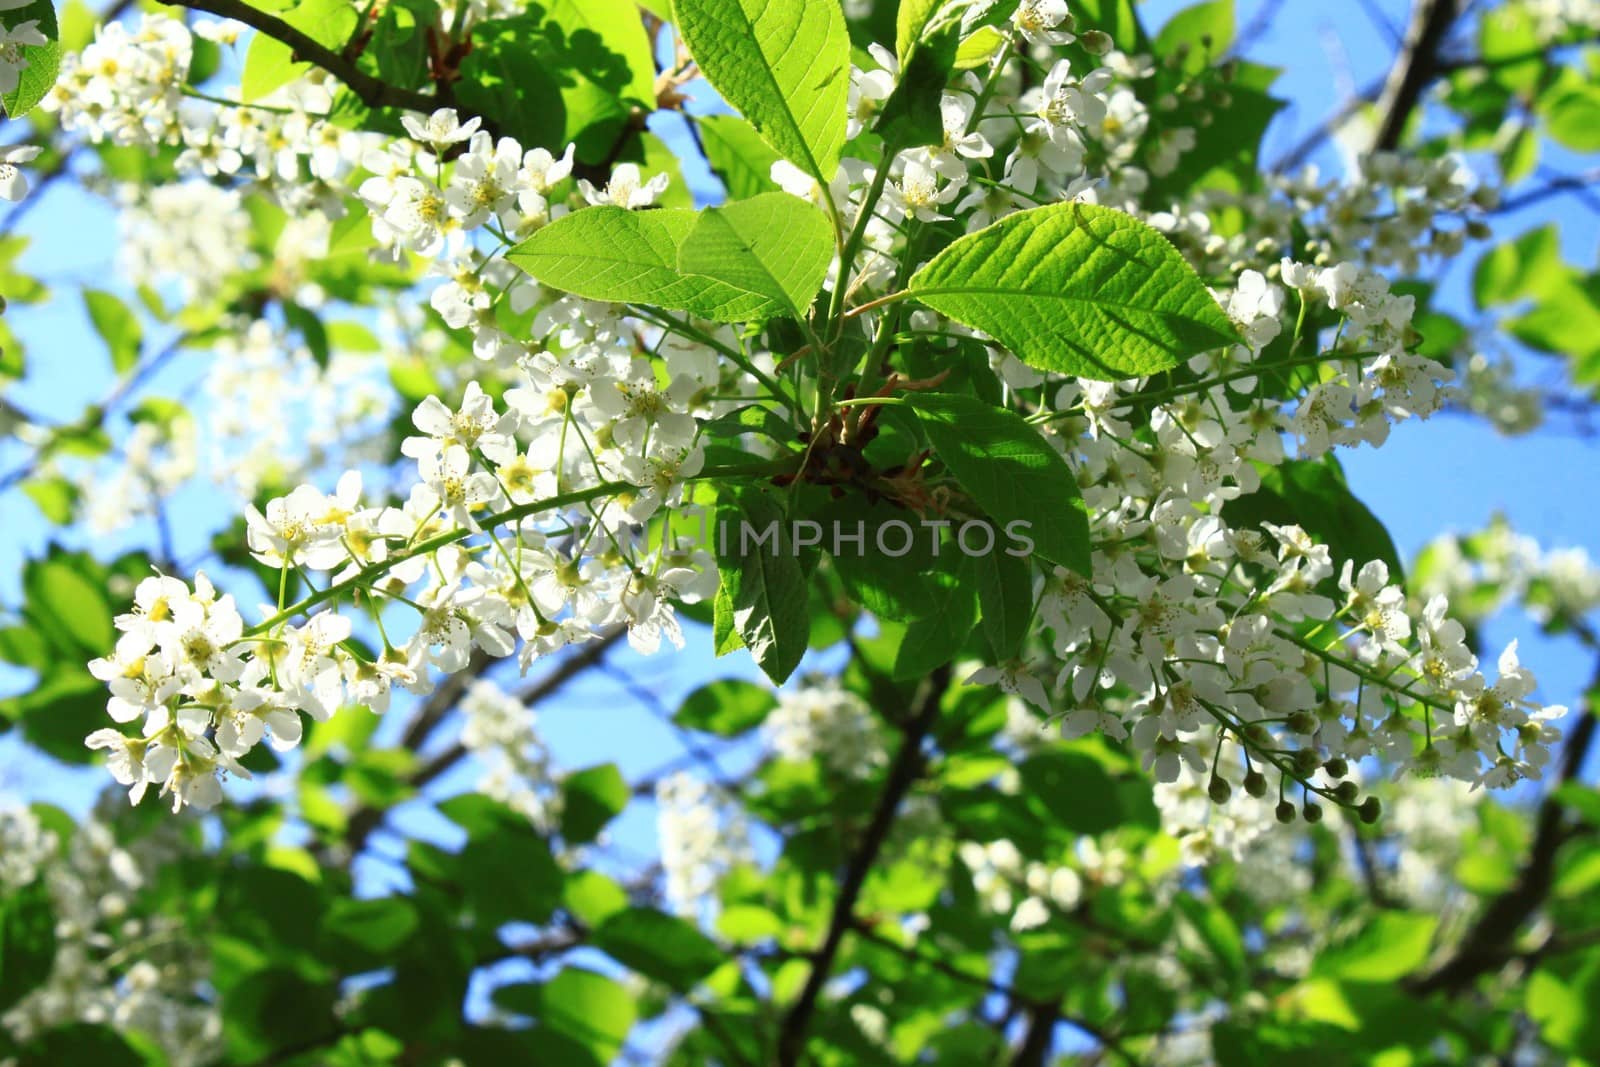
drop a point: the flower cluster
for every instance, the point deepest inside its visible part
(826, 722)
(500, 731)
(702, 837)
(1202, 642)
(93, 883)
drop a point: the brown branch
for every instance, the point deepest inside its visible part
(1415, 68)
(373, 91)
(903, 773)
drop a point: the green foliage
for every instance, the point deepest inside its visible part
(772, 248)
(44, 60)
(27, 941)
(1078, 289)
(763, 580)
(657, 257)
(727, 707)
(270, 64)
(590, 798)
(1011, 472)
(117, 326)
(785, 67)
(737, 154)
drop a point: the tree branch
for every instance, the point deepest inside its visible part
(373, 91)
(903, 773)
(1414, 69)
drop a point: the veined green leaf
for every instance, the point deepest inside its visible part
(784, 66)
(747, 261)
(1079, 289)
(44, 60)
(1012, 472)
(909, 21)
(609, 253)
(775, 247)
(978, 47)
(765, 584)
(737, 154)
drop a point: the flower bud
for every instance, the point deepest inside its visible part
(1346, 792)
(1312, 812)
(1219, 791)
(1336, 767)
(1255, 783)
(1303, 722)
(1096, 42)
(1306, 761)
(1370, 809)
(1285, 812)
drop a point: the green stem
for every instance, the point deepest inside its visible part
(366, 575)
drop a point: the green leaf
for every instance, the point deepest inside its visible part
(765, 583)
(910, 19)
(978, 47)
(1566, 321)
(1573, 116)
(1078, 289)
(58, 713)
(591, 1009)
(1005, 601)
(591, 798)
(275, 1010)
(1518, 268)
(507, 870)
(726, 707)
(1313, 495)
(1215, 929)
(935, 638)
(610, 253)
(890, 585)
(1116, 17)
(506, 77)
(1012, 472)
(27, 942)
(55, 497)
(659, 946)
(1391, 946)
(607, 44)
(1201, 32)
(44, 60)
(774, 247)
(912, 116)
(270, 64)
(737, 155)
(117, 326)
(308, 325)
(66, 602)
(592, 897)
(785, 67)
(725, 634)
(83, 1043)
(373, 929)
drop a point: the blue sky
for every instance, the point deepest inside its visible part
(1452, 473)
